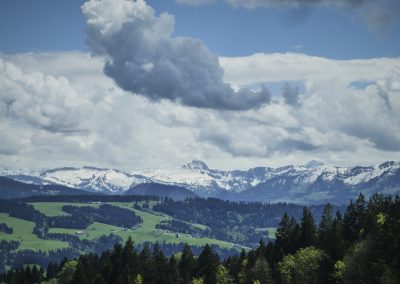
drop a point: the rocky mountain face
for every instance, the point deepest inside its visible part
(312, 183)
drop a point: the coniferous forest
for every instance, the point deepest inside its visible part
(359, 246)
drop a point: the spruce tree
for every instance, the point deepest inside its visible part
(308, 231)
(187, 264)
(173, 271)
(158, 263)
(129, 261)
(144, 262)
(354, 220)
(287, 234)
(208, 264)
(325, 225)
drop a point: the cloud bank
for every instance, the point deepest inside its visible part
(100, 124)
(144, 58)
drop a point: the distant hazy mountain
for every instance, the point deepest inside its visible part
(10, 188)
(310, 183)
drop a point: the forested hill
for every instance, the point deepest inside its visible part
(360, 246)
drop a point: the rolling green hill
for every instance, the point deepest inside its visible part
(145, 232)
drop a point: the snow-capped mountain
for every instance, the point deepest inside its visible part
(310, 183)
(108, 181)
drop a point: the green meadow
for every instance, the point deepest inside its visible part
(145, 232)
(23, 233)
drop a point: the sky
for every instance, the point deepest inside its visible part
(238, 84)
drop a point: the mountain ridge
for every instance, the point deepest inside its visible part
(309, 183)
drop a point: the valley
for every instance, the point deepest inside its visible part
(48, 228)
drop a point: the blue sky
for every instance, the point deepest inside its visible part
(119, 84)
(54, 25)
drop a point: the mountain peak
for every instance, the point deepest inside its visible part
(196, 164)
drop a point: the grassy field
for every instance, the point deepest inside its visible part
(23, 233)
(145, 232)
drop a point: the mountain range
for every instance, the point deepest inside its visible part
(312, 183)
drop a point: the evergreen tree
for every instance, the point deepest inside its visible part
(41, 274)
(354, 220)
(145, 264)
(36, 277)
(308, 232)
(116, 263)
(158, 264)
(129, 262)
(208, 264)
(187, 264)
(287, 234)
(173, 271)
(82, 269)
(325, 224)
(330, 233)
(28, 273)
(105, 266)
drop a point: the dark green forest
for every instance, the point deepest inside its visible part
(359, 246)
